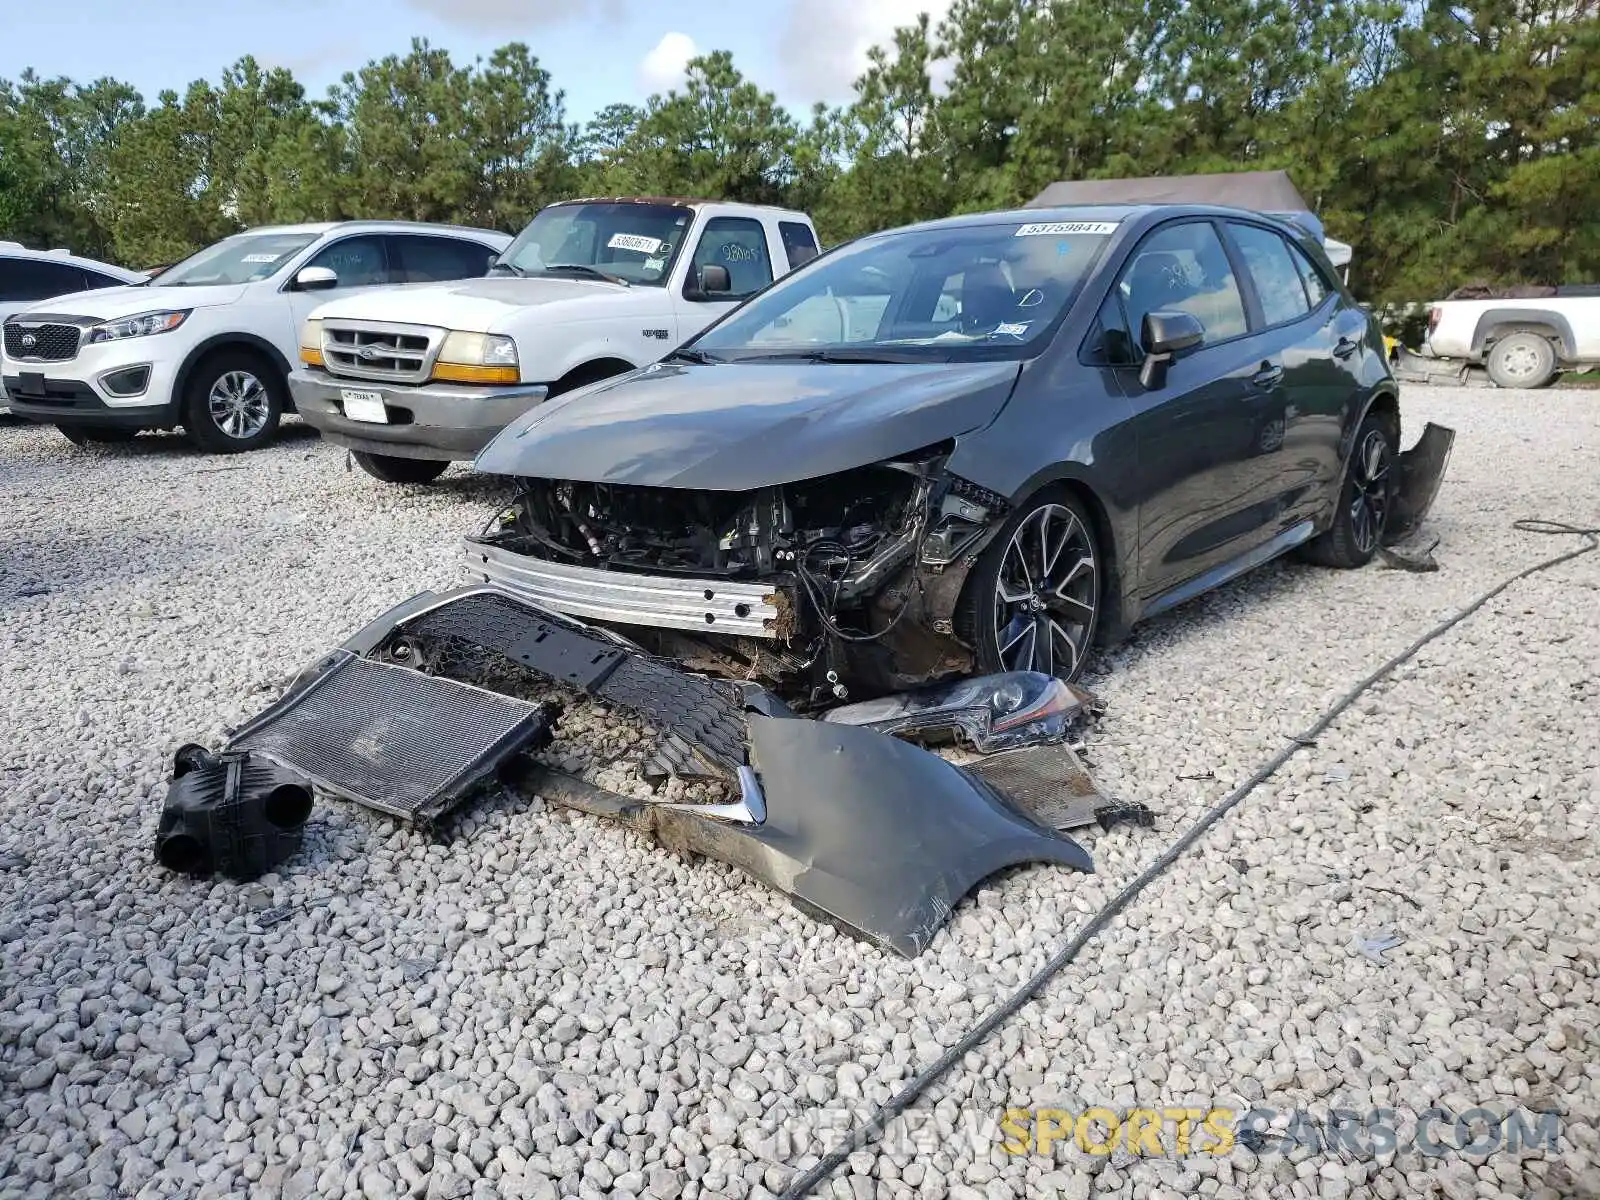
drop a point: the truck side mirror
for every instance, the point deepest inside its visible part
(714, 280)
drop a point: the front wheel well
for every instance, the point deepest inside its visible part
(589, 372)
(231, 343)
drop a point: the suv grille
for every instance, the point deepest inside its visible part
(41, 343)
(370, 350)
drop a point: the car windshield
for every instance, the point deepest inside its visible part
(949, 294)
(242, 259)
(633, 243)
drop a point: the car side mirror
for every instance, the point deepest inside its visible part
(316, 279)
(714, 280)
(1164, 335)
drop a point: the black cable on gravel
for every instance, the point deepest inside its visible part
(870, 1131)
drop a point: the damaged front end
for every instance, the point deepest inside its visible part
(823, 590)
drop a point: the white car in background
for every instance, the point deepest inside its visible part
(29, 276)
(207, 344)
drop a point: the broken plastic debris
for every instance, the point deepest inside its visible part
(1378, 945)
(992, 712)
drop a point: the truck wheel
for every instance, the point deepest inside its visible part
(233, 402)
(1522, 360)
(89, 435)
(399, 470)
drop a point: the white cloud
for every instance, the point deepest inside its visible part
(512, 17)
(825, 42)
(662, 69)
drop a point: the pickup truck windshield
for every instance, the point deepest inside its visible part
(242, 259)
(635, 243)
(942, 295)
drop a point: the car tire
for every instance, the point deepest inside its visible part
(89, 435)
(399, 470)
(1366, 498)
(1032, 601)
(1522, 360)
(233, 402)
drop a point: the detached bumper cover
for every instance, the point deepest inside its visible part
(872, 833)
(1421, 472)
(433, 420)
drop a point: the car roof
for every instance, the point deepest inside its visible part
(376, 226)
(63, 255)
(681, 202)
(1120, 213)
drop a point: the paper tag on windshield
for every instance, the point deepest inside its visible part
(261, 258)
(654, 264)
(634, 241)
(1060, 228)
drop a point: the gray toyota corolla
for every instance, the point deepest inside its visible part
(975, 444)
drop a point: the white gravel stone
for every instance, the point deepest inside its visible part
(548, 1006)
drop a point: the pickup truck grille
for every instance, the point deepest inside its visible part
(41, 343)
(374, 350)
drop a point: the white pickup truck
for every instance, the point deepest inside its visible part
(1523, 341)
(413, 378)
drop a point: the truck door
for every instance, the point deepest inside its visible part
(740, 246)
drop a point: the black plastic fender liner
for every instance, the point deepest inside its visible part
(1421, 473)
(876, 835)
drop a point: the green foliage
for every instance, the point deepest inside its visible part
(1447, 141)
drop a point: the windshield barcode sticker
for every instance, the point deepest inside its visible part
(1059, 228)
(634, 241)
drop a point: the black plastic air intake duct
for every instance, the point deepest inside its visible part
(230, 813)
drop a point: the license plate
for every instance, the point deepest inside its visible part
(364, 406)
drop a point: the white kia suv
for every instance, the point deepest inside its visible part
(29, 276)
(207, 344)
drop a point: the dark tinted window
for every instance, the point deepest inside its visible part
(37, 279)
(93, 279)
(1183, 268)
(799, 243)
(1317, 287)
(1277, 279)
(419, 259)
(740, 244)
(357, 261)
(1110, 342)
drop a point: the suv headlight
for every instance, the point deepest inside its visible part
(142, 325)
(311, 343)
(477, 358)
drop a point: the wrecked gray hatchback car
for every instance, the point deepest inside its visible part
(979, 444)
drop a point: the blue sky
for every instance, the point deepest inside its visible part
(597, 51)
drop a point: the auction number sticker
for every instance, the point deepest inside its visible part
(1060, 228)
(634, 241)
(261, 258)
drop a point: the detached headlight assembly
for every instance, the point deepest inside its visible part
(142, 325)
(477, 358)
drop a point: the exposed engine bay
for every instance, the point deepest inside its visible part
(857, 574)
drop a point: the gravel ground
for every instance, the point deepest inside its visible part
(546, 1006)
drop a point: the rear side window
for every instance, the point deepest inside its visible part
(1184, 268)
(37, 279)
(93, 280)
(739, 244)
(1317, 287)
(799, 243)
(1271, 266)
(418, 259)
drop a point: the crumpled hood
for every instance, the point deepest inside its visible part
(107, 304)
(737, 426)
(474, 305)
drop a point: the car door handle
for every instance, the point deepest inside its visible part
(1268, 376)
(1345, 348)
